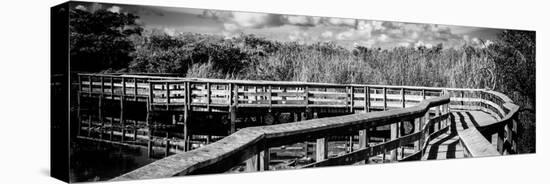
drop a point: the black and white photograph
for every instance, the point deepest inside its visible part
(147, 92)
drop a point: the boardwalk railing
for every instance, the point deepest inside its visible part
(212, 94)
(252, 144)
(427, 108)
(504, 130)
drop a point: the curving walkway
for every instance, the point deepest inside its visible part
(446, 146)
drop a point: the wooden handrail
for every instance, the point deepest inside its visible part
(475, 145)
(247, 142)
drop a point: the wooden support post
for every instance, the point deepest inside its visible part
(102, 85)
(122, 126)
(135, 130)
(100, 115)
(185, 124)
(394, 135)
(321, 150)
(112, 88)
(78, 111)
(89, 125)
(91, 86)
(167, 151)
(515, 134)
(417, 128)
(364, 141)
(509, 136)
(500, 141)
(112, 123)
(264, 159)
(123, 86)
(253, 163)
(384, 153)
(233, 119)
(350, 144)
(149, 144)
(174, 121)
(438, 113)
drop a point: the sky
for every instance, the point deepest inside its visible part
(303, 29)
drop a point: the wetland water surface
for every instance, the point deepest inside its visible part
(98, 161)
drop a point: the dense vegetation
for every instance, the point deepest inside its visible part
(507, 65)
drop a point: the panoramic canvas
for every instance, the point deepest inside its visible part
(142, 92)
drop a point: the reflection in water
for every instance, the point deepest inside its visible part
(96, 161)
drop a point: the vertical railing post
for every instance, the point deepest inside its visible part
(102, 84)
(264, 159)
(270, 94)
(367, 99)
(123, 86)
(151, 94)
(394, 128)
(515, 133)
(384, 91)
(208, 91)
(424, 94)
(112, 88)
(306, 93)
(122, 123)
(418, 128)
(321, 149)
(500, 140)
(100, 114)
(253, 163)
(364, 141)
(135, 89)
(90, 85)
(352, 97)
(167, 92)
(79, 78)
(232, 109)
(403, 101)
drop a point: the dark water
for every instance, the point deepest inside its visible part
(97, 161)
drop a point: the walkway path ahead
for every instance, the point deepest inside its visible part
(447, 146)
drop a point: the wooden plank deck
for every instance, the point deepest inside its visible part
(447, 145)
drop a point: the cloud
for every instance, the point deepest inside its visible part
(230, 26)
(341, 22)
(301, 20)
(383, 38)
(81, 7)
(377, 25)
(327, 34)
(114, 9)
(345, 35)
(404, 44)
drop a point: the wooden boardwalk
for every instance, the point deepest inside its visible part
(447, 145)
(413, 123)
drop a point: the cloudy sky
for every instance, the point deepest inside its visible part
(304, 29)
